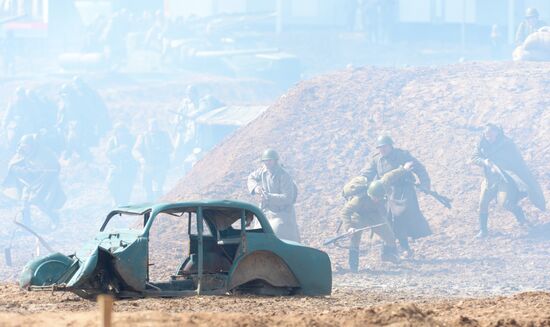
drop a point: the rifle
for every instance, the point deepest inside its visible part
(496, 169)
(346, 234)
(38, 237)
(445, 201)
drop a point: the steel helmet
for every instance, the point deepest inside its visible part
(270, 154)
(376, 190)
(357, 185)
(384, 140)
(28, 139)
(531, 12)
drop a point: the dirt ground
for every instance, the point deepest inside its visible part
(345, 307)
(324, 129)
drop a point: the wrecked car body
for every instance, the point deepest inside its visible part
(232, 249)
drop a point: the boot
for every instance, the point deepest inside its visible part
(520, 217)
(353, 260)
(389, 254)
(483, 232)
(406, 251)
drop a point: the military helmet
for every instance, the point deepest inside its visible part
(355, 186)
(20, 91)
(531, 13)
(376, 190)
(383, 140)
(28, 139)
(270, 154)
(65, 89)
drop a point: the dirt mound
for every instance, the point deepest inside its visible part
(325, 129)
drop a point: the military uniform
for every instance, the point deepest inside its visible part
(506, 181)
(153, 150)
(361, 211)
(281, 194)
(122, 165)
(35, 173)
(408, 220)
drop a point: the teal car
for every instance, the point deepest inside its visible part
(231, 248)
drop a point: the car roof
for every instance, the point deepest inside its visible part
(144, 207)
(139, 209)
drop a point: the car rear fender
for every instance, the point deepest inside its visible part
(262, 265)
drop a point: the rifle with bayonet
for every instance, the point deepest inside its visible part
(336, 238)
(445, 201)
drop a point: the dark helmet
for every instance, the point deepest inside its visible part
(65, 89)
(384, 140)
(28, 139)
(376, 190)
(492, 127)
(20, 91)
(27, 144)
(270, 154)
(78, 81)
(531, 13)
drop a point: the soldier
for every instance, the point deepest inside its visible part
(152, 150)
(123, 167)
(74, 123)
(408, 220)
(34, 171)
(366, 206)
(529, 25)
(506, 177)
(184, 137)
(95, 112)
(20, 119)
(277, 193)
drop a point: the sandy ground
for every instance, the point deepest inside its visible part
(345, 307)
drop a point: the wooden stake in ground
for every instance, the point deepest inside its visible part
(105, 309)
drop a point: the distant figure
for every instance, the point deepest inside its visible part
(20, 118)
(277, 193)
(529, 25)
(408, 220)
(122, 165)
(507, 177)
(96, 112)
(9, 53)
(74, 123)
(366, 206)
(34, 171)
(388, 13)
(497, 43)
(184, 135)
(153, 149)
(113, 37)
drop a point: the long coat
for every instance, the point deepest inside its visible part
(504, 153)
(278, 206)
(408, 220)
